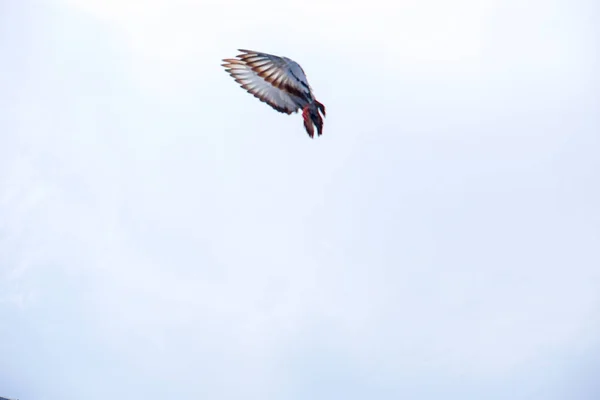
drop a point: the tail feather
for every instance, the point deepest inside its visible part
(312, 118)
(321, 107)
(318, 121)
(307, 122)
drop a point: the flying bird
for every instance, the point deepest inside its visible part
(279, 82)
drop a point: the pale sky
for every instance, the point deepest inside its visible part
(164, 234)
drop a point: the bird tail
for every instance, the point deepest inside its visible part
(312, 118)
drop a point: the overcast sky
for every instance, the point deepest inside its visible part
(163, 234)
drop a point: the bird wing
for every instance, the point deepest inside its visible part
(277, 81)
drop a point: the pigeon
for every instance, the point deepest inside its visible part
(278, 81)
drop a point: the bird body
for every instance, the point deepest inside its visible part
(278, 81)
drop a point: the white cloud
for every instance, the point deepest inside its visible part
(166, 234)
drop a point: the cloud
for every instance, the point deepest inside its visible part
(165, 234)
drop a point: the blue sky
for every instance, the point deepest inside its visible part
(165, 234)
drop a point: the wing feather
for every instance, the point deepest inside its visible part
(285, 81)
(293, 78)
(256, 85)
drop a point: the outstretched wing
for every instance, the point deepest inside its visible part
(277, 81)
